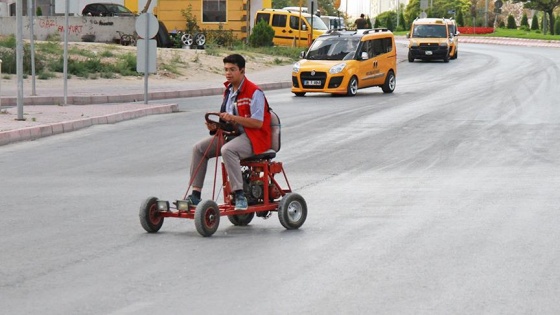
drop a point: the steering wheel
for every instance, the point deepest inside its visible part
(226, 128)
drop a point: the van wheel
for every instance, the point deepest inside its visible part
(455, 55)
(410, 58)
(446, 58)
(300, 93)
(352, 89)
(390, 83)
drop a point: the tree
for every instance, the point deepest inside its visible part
(547, 6)
(262, 35)
(460, 19)
(511, 22)
(535, 23)
(524, 21)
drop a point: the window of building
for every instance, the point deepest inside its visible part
(214, 10)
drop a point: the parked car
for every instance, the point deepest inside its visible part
(106, 9)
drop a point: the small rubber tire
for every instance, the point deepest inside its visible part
(410, 58)
(446, 58)
(241, 219)
(352, 88)
(207, 218)
(292, 211)
(390, 82)
(150, 219)
(299, 93)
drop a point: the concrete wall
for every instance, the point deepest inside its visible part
(104, 28)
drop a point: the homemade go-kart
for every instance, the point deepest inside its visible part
(262, 190)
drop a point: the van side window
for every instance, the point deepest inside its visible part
(388, 44)
(294, 22)
(263, 16)
(279, 20)
(378, 48)
(367, 48)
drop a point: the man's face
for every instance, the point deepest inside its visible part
(233, 73)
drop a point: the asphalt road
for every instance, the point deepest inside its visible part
(441, 198)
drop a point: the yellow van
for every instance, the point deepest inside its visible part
(290, 29)
(341, 62)
(429, 39)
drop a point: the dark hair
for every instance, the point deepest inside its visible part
(235, 59)
(362, 15)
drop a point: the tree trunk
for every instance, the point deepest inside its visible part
(146, 7)
(551, 22)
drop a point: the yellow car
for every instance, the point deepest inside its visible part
(341, 62)
(429, 39)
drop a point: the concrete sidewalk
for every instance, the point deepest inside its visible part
(106, 102)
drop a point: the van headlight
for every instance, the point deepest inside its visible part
(443, 44)
(337, 68)
(295, 67)
(413, 43)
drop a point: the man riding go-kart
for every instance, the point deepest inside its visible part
(247, 137)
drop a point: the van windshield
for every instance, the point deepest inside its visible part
(430, 31)
(318, 24)
(333, 48)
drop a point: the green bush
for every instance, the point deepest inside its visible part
(535, 23)
(262, 35)
(511, 22)
(524, 21)
(557, 26)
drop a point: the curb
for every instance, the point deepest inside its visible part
(32, 133)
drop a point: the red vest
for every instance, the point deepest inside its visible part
(261, 138)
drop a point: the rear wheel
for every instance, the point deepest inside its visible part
(241, 219)
(150, 218)
(390, 83)
(352, 89)
(207, 217)
(292, 211)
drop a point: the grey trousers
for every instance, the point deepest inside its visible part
(232, 153)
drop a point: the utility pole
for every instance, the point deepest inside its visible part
(19, 58)
(32, 42)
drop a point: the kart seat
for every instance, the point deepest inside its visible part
(275, 147)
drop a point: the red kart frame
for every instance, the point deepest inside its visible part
(264, 193)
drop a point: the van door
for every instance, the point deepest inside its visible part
(387, 58)
(299, 30)
(380, 58)
(279, 25)
(366, 70)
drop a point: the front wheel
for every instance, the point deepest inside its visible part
(390, 83)
(292, 211)
(352, 89)
(150, 219)
(299, 93)
(410, 58)
(207, 218)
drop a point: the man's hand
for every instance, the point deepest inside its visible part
(211, 126)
